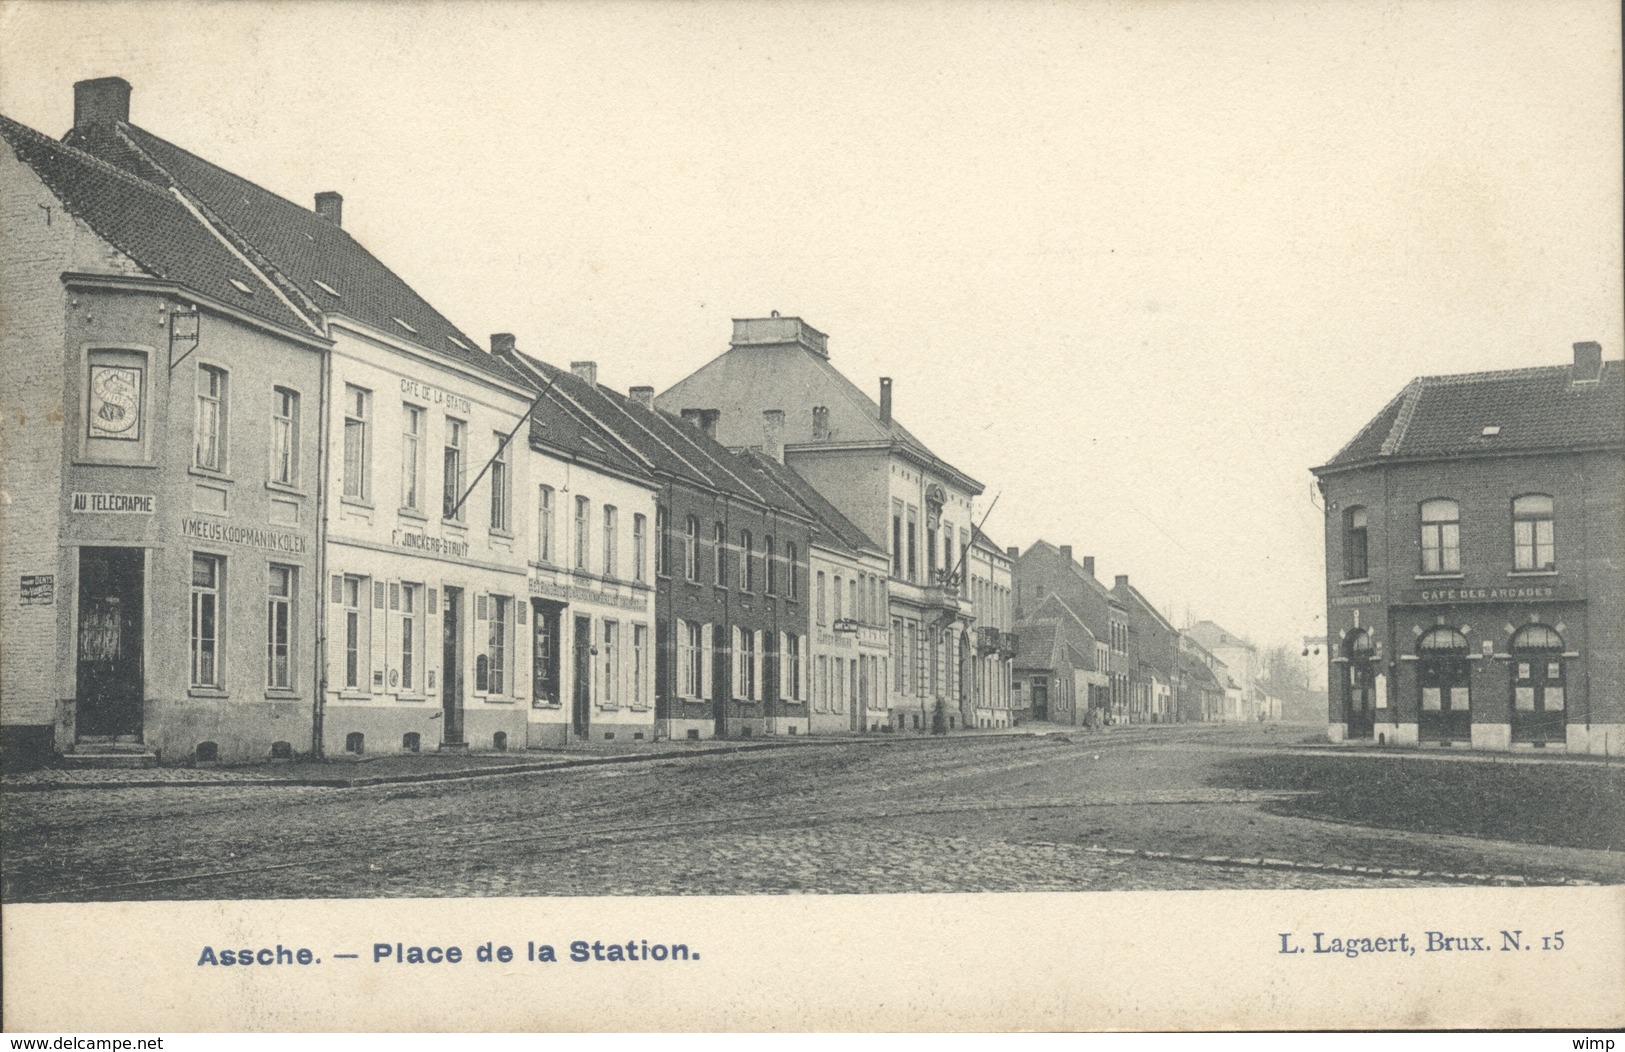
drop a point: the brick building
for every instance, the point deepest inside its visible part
(1474, 580)
(1045, 569)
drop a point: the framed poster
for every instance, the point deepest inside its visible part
(115, 402)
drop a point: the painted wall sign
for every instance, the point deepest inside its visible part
(421, 542)
(115, 402)
(37, 589)
(114, 503)
(1552, 591)
(542, 586)
(247, 536)
(1356, 600)
(453, 403)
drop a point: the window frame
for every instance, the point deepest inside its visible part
(501, 482)
(454, 469)
(583, 530)
(1445, 557)
(612, 526)
(357, 444)
(209, 597)
(413, 419)
(279, 617)
(545, 506)
(219, 398)
(284, 437)
(1534, 519)
(1356, 543)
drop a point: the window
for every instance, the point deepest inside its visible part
(640, 545)
(691, 549)
(496, 648)
(284, 436)
(1533, 541)
(840, 609)
(412, 457)
(210, 451)
(1441, 537)
(408, 607)
(611, 524)
(451, 502)
(207, 571)
(583, 509)
(745, 680)
(770, 571)
(640, 662)
(912, 541)
(747, 562)
(852, 599)
(544, 524)
(897, 538)
(545, 665)
(790, 557)
(612, 663)
(356, 450)
(822, 619)
(897, 652)
(821, 688)
(499, 485)
(279, 629)
(1355, 566)
(352, 594)
(719, 546)
(838, 680)
(690, 639)
(792, 661)
(662, 543)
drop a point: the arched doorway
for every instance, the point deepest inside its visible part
(1444, 677)
(1359, 685)
(1538, 701)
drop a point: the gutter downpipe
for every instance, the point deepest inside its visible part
(319, 673)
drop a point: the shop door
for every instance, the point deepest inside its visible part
(1538, 695)
(1360, 699)
(1446, 714)
(451, 664)
(1040, 699)
(581, 706)
(109, 683)
(544, 652)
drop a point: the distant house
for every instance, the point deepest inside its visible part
(1056, 667)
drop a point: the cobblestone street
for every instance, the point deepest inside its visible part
(1138, 808)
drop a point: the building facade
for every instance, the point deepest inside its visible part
(1239, 662)
(1474, 584)
(989, 645)
(1045, 569)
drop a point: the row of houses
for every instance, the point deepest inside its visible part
(1092, 655)
(264, 500)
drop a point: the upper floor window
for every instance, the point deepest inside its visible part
(691, 549)
(1533, 538)
(790, 555)
(771, 572)
(662, 543)
(453, 461)
(499, 484)
(822, 608)
(719, 537)
(412, 457)
(640, 542)
(897, 538)
(544, 524)
(210, 452)
(1355, 566)
(357, 442)
(611, 525)
(284, 436)
(912, 543)
(582, 541)
(747, 562)
(1441, 536)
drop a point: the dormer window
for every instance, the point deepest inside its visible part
(240, 287)
(325, 287)
(403, 325)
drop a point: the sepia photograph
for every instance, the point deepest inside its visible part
(758, 479)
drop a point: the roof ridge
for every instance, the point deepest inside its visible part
(82, 157)
(1487, 375)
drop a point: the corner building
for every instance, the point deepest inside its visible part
(1474, 582)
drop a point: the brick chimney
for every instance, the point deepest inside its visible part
(1013, 552)
(1587, 361)
(779, 332)
(704, 419)
(1066, 552)
(102, 99)
(1122, 581)
(885, 400)
(502, 343)
(330, 206)
(644, 396)
(773, 433)
(585, 371)
(1089, 565)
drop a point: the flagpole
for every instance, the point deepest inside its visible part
(455, 508)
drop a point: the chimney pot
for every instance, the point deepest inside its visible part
(1089, 565)
(330, 206)
(585, 371)
(502, 343)
(102, 99)
(1587, 360)
(644, 396)
(885, 400)
(773, 432)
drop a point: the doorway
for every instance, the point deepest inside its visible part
(581, 698)
(1538, 702)
(1041, 699)
(451, 664)
(1359, 686)
(1444, 676)
(109, 681)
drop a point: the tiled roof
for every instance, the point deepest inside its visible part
(297, 244)
(150, 225)
(837, 530)
(1534, 409)
(1035, 646)
(560, 425)
(1212, 636)
(1079, 659)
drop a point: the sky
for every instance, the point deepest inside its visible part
(1136, 267)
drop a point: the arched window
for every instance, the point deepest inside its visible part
(1441, 536)
(1538, 690)
(691, 549)
(747, 562)
(719, 545)
(1358, 645)
(1537, 637)
(790, 555)
(1533, 536)
(1355, 563)
(771, 572)
(1442, 641)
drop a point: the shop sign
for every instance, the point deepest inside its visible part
(115, 402)
(113, 503)
(575, 593)
(247, 536)
(422, 542)
(37, 589)
(422, 392)
(1546, 592)
(1369, 599)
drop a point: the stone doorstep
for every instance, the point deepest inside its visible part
(110, 756)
